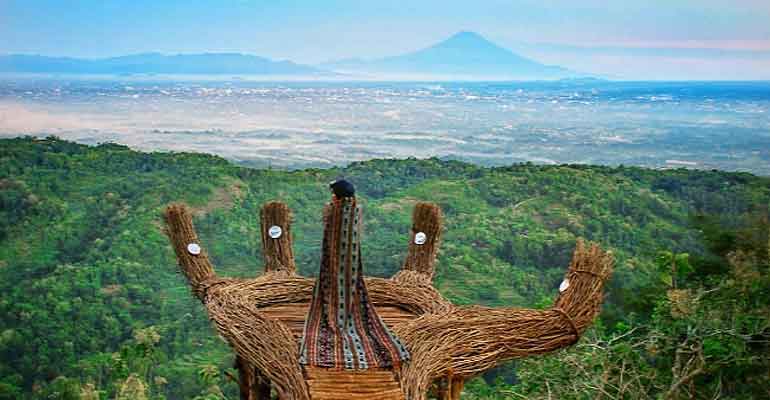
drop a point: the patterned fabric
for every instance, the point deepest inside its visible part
(342, 329)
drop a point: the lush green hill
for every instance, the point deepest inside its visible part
(91, 293)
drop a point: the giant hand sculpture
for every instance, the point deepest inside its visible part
(262, 318)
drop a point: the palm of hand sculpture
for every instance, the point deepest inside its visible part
(263, 318)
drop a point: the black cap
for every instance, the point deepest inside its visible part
(342, 188)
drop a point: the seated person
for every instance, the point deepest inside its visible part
(342, 328)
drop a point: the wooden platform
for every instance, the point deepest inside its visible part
(293, 315)
(328, 384)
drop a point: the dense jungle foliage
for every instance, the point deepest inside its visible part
(93, 306)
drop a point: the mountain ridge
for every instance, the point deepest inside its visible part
(156, 63)
(464, 54)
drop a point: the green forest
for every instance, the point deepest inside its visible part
(93, 305)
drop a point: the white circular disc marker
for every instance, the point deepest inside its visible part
(275, 231)
(194, 249)
(420, 238)
(564, 285)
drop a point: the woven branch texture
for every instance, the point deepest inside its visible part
(442, 339)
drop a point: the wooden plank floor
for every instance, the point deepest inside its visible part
(326, 384)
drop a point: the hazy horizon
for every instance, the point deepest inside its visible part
(224, 105)
(659, 40)
(323, 124)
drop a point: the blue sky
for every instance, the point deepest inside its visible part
(656, 39)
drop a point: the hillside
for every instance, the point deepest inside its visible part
(92, 296)
(464, 54)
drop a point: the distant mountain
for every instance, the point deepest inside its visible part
(463, 55)
(156, 63)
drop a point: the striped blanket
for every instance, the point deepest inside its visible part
(342, 329)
